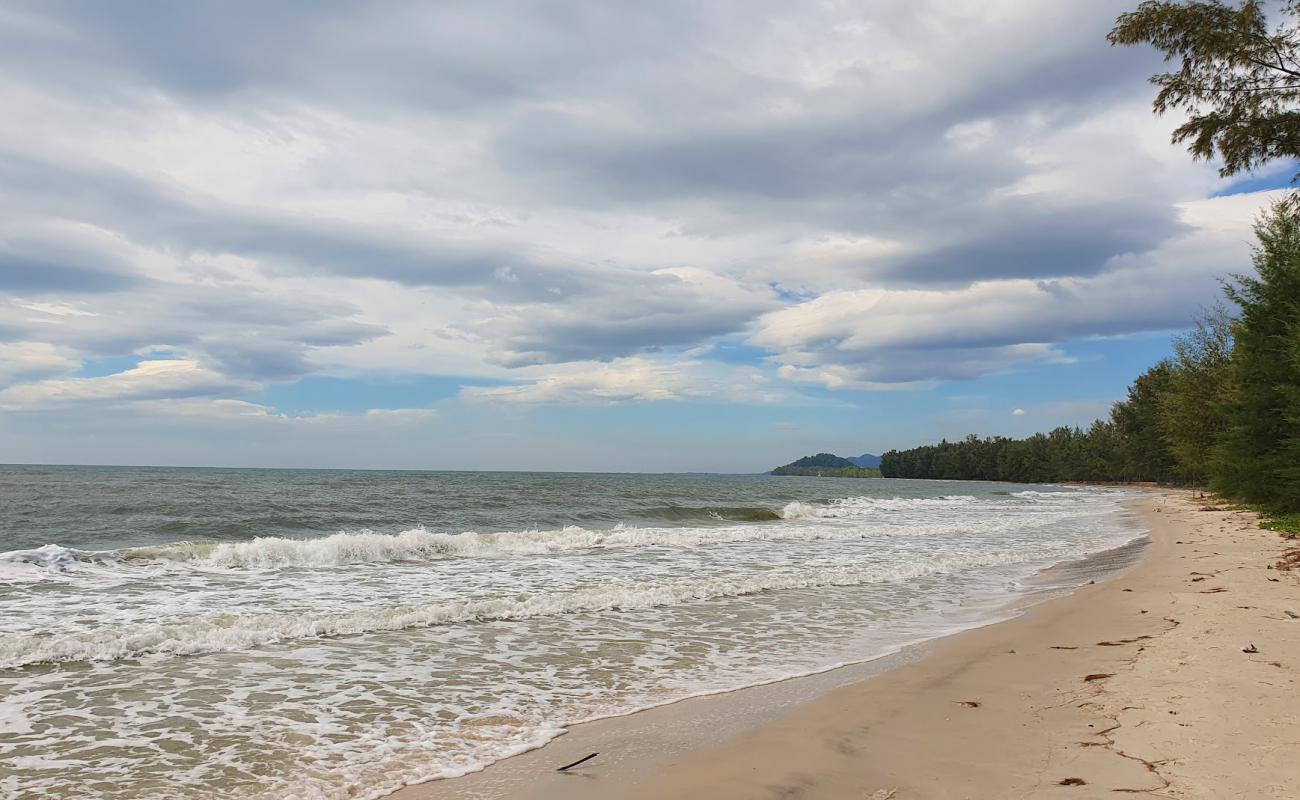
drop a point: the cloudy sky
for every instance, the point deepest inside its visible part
(628, 236)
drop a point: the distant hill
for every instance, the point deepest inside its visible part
(826, 465)
(821, 460)
(866, 460)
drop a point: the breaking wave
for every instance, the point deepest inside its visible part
(419, 544)
(866, 506)
(715, 514)
(233, 632)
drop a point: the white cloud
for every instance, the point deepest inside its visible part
(1019, 412)
(56, 309)
(400, 415)
(854, 338)
(24, 361)
(150, 380)
(634, 379)
(225, 411)
(835, 376)
(584, 212)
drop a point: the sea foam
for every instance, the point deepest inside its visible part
(419, 544)
(230, 632)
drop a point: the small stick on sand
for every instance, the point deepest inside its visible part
(582, 760)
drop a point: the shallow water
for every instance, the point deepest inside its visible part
(314, 634)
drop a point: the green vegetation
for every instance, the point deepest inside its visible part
(1225, 410)
(825, 465)
(1257, 455)
(827, 472)
(1283, 523)
(821, 460)
(1237, 80)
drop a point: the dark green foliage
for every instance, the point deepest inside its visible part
(821, 460)
(1258, 456)
(1237, 80)
(1064, 454)
(825, 465)
(1130, 446)
(1192, 412)
(827, 472)
(1226, 408)
(1137, 420)
(1282, 523)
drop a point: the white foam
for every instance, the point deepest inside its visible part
(37, 563)
(419, 544)
(13, 720)
(470, 647)
(233, 632)
(50, 556)
(848, 507)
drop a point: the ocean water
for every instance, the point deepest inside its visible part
(183, 633)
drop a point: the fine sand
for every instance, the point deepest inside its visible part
(1175, 678)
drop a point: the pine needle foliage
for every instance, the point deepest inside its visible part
(1237, 79)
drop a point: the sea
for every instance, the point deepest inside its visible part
(195, 633)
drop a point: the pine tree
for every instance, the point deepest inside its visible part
(1238, 81)
(1258, 452)
(1191, 411)
(1137, 420)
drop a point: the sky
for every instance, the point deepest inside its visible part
(670, 236)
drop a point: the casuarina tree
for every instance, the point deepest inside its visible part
(1237, 78)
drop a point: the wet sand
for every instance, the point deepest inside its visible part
(1137, 684)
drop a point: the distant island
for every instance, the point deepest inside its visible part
(866, 461)
(827, 465)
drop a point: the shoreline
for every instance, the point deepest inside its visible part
(1136, 684)
(635, 745)
(1175, 678)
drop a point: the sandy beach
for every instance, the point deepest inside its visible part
(1175, 677)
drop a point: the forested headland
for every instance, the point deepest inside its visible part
(826, 465)
(1223, 410)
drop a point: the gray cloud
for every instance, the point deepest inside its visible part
(1026, 239)
(674, 308)
(59, 259)
(265, 188)
(154, 215)
(447, 55)
(20, 273)
(258, 360)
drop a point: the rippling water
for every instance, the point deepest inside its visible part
(169, 633)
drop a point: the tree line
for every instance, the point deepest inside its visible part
(1223, 410)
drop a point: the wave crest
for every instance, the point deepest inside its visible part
(232, 632)
(866, 506)
(419, 544)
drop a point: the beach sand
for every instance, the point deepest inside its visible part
(1145, 683)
